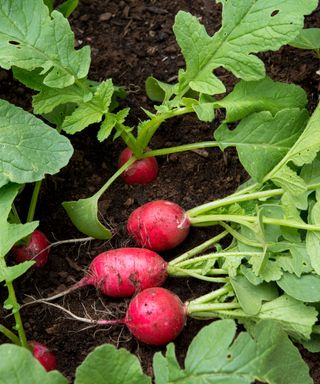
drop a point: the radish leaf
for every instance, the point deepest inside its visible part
(307, 39)
(29, 148)
(109, 365)
(216, 356)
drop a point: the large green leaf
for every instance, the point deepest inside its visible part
(215, 356)
(248, 27)
(304, 288)
(109, 365)
(248, 97)
(30, 38)
(262, 140)
(29, 149)
(18, 366)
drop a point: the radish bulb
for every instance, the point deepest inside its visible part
(142, 171)
(45, 357)
(159, 225)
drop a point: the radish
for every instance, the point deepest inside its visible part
(159, 225)
(142, 171)
(156, 316)
(122, 272)
(45, 357)
(36, 249)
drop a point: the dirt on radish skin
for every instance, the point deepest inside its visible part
(156, 316)
(142, 171)
(45, 357)
(159, 225)
(34, 250)
(122, 272)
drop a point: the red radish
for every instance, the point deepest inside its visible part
(159, 225)
(156, 316)
(45, 357)
(34, 250)
(142, 171)
(123, 272)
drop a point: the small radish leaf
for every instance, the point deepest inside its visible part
(307, 39)
(304, 288)
(83, 214)
(248, 97)
(29, 149)
(18, 366)
(109, 365)
(91, 112)
(216, 356)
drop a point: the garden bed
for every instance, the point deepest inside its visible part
(131, 40)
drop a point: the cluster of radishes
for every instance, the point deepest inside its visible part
(155, 315)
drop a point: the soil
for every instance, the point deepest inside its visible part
(131, 40)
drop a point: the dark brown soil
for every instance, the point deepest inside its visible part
(131, 40)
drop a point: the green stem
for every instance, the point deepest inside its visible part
(125, 166)
(176, 271)
(33, 202)
(16, 314)
(180, 148)
(234, 198)
(245, 220)
(193, 308)
(216, 255)
(199, 248)
(15, 214)
(240, 237)
(225, 290)
(189, 272)
(10, 335)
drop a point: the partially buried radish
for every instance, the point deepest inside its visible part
(45, 357)
(35, 249)
(122, 272)
(155, 316)
(159, 225)
(142, 171)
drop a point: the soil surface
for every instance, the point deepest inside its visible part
(131, 40)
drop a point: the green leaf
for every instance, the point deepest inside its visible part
(30, 39)
(108, 365)
(58, 115)
(248, 27)
(110, 121)
(307, 39)
(83, 214)
(251, 296)
(91, 112)
(293, 316)
(29, 149)
(49, 4)
(305, 149)
(11, 233)
(313, 239)
(159, 91)
(68, 7)
(18, 366)
(262, 95)
(31, 79)
(262, 140)
(204, 108)
(12, 273)
(216, 356)
(304, 288)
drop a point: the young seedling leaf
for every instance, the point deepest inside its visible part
(30, 39)
(18, 366)
(262, 139)
(83, 214)
(11, 233)
(216, 356)
(248, 97)
(307, 39)
(29, 149)
(109, 365)
(248, 27)
(304, 288)
(91, 112)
